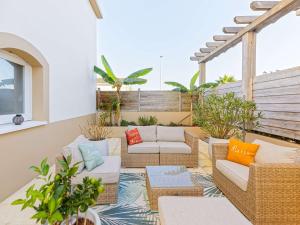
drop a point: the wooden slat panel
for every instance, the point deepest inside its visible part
(280, 132)
(278, 99)
(290, 90)
(281, 74)
(286, 124)
(279, 107)
(278, 83)
(285, 116)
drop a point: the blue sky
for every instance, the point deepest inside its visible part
(134, 33)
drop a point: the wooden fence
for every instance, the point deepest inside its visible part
(277, 96)
(148, 101)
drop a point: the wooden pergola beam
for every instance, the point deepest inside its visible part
(206, 50)
(232, 30)
(222, 37)
(244, 19)
(263, 5)
(298, 12)
(270, 16)
(214, 44)
(194, 58)
(199, 54)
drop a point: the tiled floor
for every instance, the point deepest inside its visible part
(12, 215)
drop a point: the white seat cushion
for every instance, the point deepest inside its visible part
(236, 173)
(271, 153)
(147, 133)
(199, 211)
(174, 147)
(109, 171)
(144, 148)
(72, 149)
(168, 134)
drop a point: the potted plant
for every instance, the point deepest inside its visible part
(97, 132)
(57, 202)
(109, 76)
(224, 117)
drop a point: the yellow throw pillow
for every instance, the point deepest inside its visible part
(241, 152)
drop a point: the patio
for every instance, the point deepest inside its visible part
(222, 152)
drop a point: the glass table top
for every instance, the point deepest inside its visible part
(169, 176)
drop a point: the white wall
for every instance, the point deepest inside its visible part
(65, 32)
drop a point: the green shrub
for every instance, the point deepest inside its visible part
(147, 120)
(125, 123)
(226, 116)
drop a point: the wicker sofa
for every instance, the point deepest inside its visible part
(266, 193)
(161, 146)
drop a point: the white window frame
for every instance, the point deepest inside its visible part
(27, 70)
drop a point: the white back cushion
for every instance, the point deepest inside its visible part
(271, 153)
(72, 149)
(148, 133)
(175, 134)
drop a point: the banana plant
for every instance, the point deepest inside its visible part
(116, 82)
(183, 89)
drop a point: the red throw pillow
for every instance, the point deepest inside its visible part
(133, 137)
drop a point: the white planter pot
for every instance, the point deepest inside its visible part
(90, 214)
(102, 146)
(212, 141)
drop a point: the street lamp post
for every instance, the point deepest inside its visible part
(160, 72)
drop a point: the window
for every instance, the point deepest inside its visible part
(15, 88)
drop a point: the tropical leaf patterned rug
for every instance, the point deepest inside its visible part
(132, 207)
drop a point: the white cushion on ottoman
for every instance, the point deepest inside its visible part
(174, 147)
(109, 171)
(144, 148)
(199, 211)
(170, 134)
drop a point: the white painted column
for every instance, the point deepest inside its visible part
(249, 64)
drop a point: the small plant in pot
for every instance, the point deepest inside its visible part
(57, 202)
(224, 117)
(97, 132)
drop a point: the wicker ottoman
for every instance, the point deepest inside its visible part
(169, 181)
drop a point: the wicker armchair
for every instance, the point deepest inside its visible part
(273, 192)
(143, 160)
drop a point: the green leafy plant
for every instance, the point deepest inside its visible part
(147, 120)
(109, 77)
(225, 79)
(110, 107)
(190, 90)
(125, 123)
(180, 87)
(55, 201)
(225, 116)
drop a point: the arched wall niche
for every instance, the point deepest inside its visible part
(40, 72)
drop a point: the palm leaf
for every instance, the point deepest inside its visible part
(108, 69)
(193, 80)
(179, 86)
(126, 215)
(140, 73)
(132, 81)
(104, 75)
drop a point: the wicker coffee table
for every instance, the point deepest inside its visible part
(169, 181)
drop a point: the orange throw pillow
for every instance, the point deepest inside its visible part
(133, 137)
(241, 152)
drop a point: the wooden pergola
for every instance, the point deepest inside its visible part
(272, 11)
